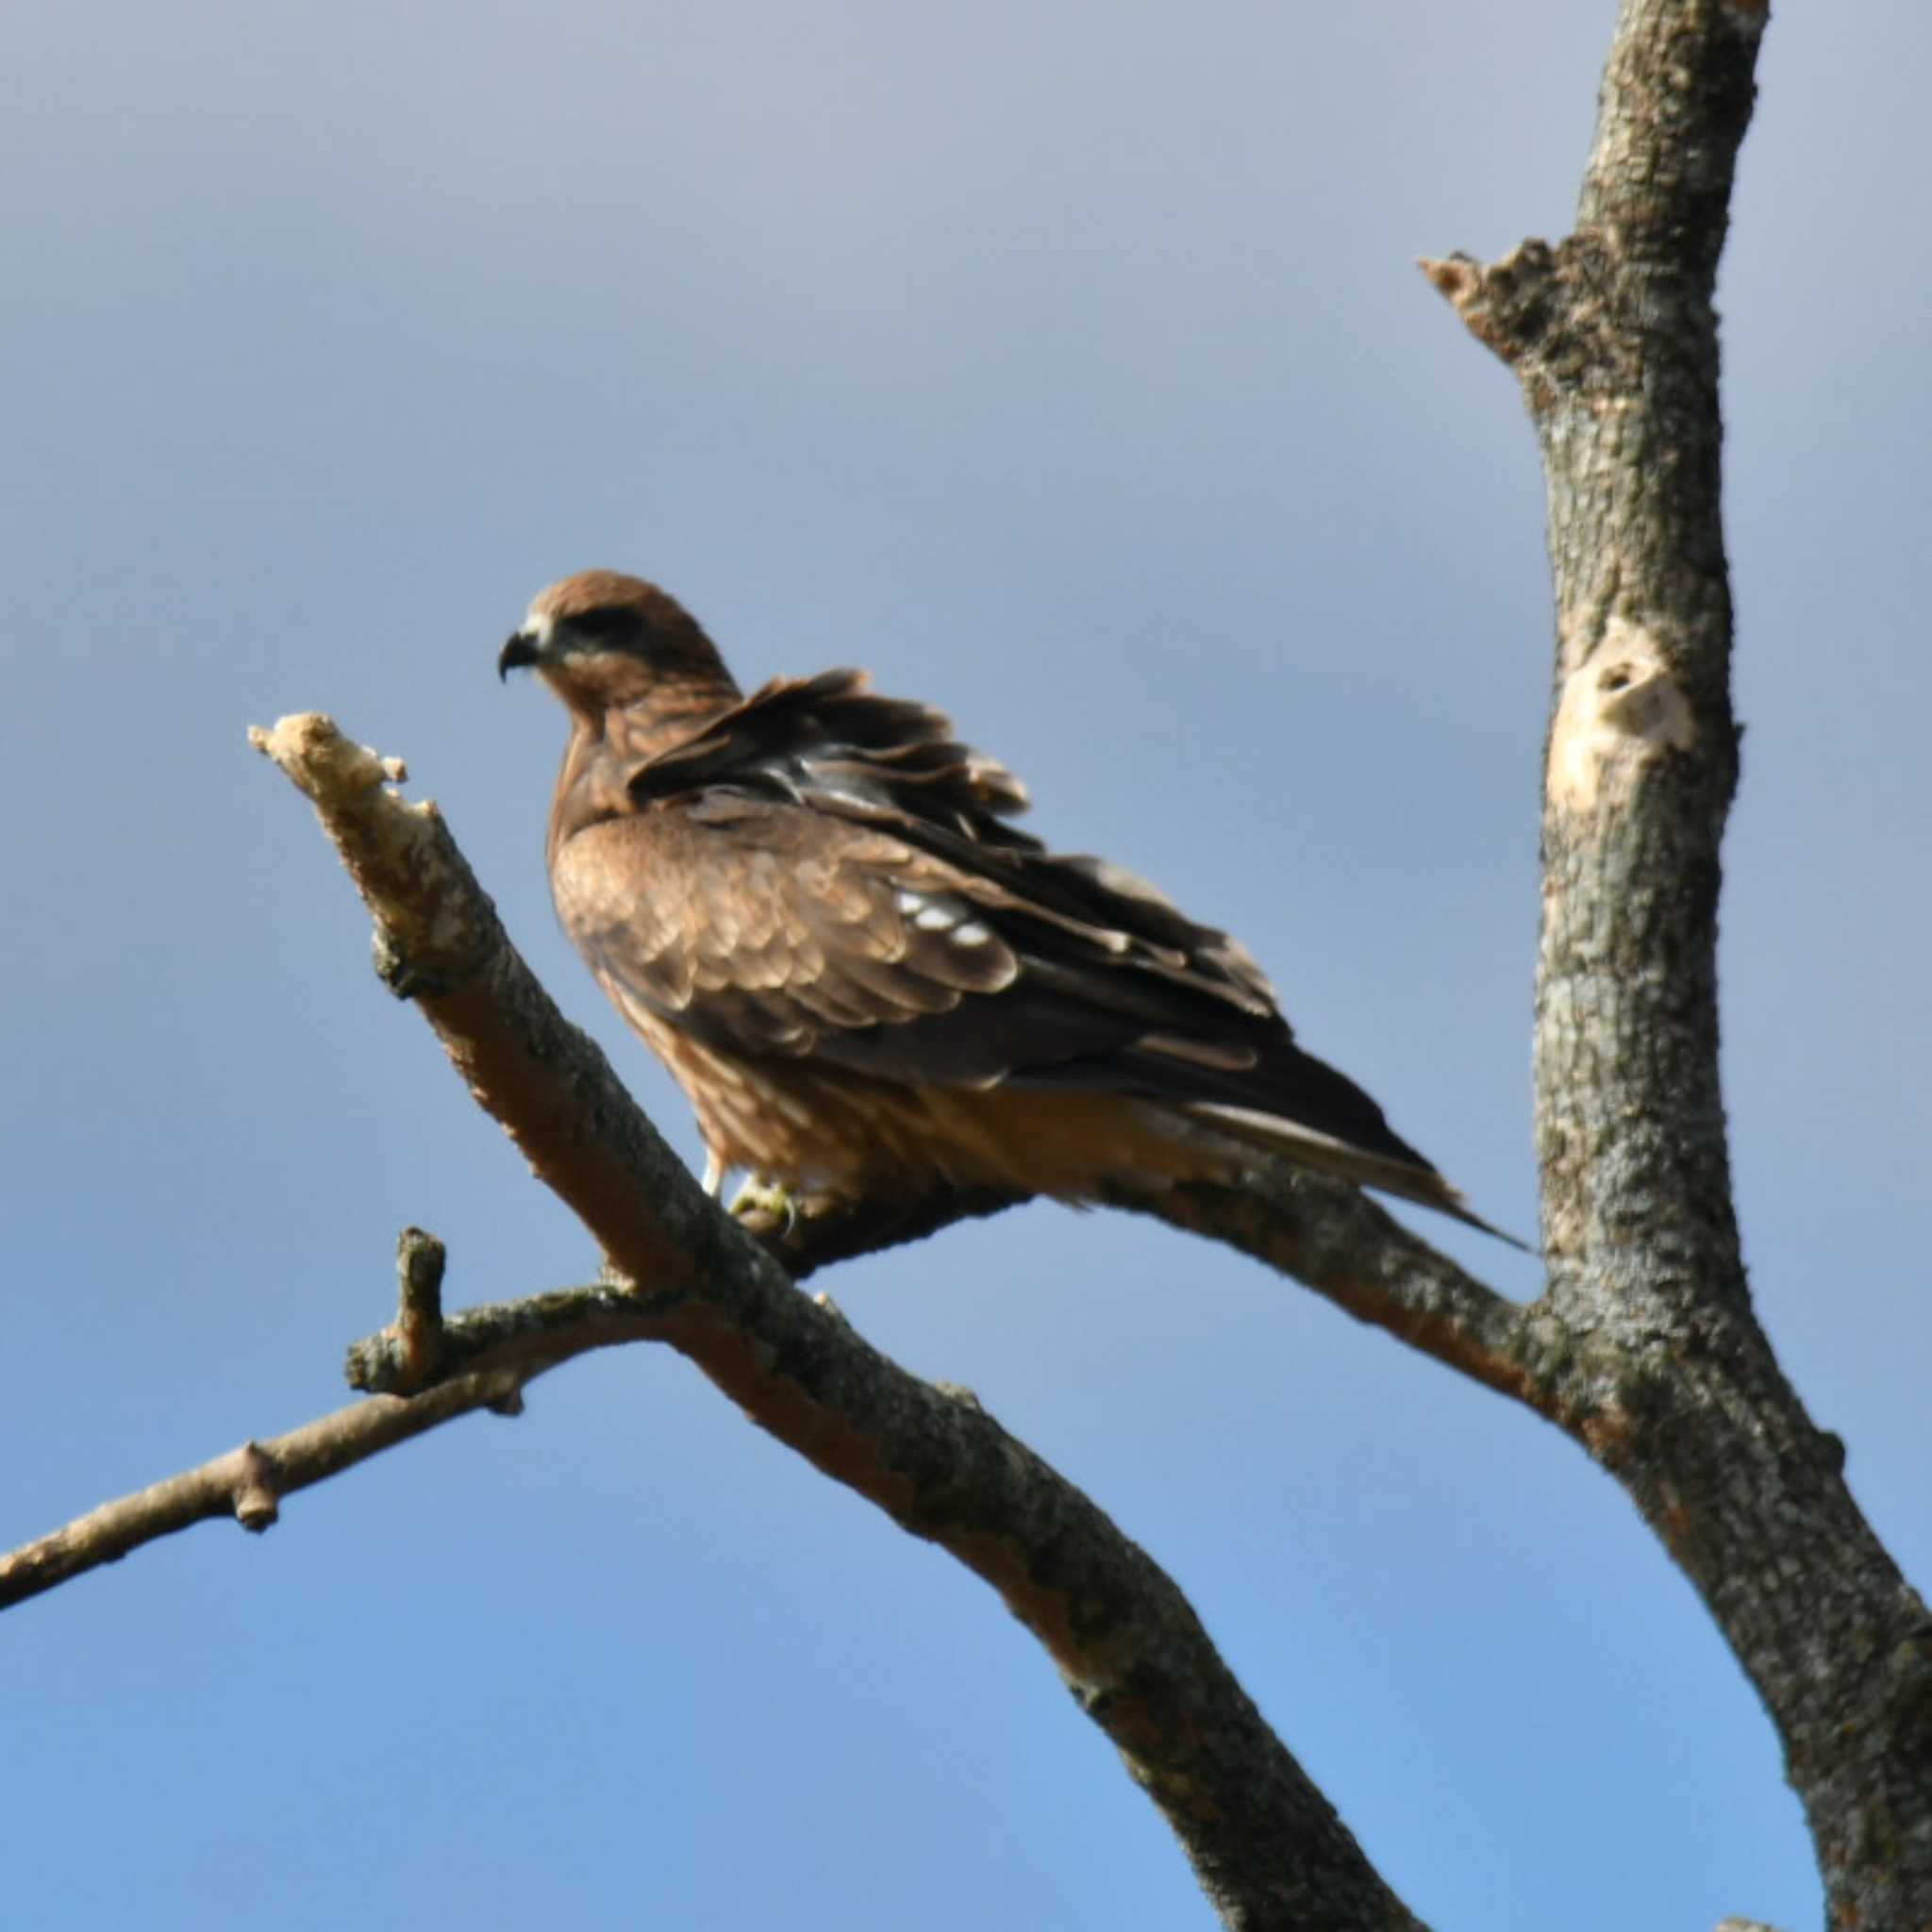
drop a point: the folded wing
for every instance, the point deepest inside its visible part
(822, 874)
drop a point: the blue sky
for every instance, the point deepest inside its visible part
(1068, 367)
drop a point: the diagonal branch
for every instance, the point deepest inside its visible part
(1333, 1239)
(1266, 1846)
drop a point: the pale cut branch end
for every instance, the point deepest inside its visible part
(320, 760)
(433, 925)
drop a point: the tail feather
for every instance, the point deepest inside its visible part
(1411, 1179)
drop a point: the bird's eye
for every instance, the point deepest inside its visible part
(607, 622)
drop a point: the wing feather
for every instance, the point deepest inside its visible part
(822, 873)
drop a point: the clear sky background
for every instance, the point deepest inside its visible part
(1066, 364)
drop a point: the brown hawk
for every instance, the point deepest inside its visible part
(873, 987)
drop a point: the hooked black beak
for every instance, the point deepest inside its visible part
(519, 654)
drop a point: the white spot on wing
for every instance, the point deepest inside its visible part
(940, 912)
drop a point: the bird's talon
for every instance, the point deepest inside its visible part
(762, 1196)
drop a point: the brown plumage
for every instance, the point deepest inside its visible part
(809, 903)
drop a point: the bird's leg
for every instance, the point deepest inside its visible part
(761, 1195)
(714, 1172)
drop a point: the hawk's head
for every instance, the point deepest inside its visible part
(615, 636)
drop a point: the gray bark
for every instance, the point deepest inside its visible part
(1613, 337)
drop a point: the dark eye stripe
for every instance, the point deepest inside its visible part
(605, 623)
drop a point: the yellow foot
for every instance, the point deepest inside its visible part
(760, 1195)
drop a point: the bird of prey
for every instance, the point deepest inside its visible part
(873, 987)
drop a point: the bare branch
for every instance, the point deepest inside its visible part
(1333, 1239)
(246, 1483)
(1613, 337)
(1268, 1848)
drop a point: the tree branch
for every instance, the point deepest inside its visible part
(246, 1483)
(1266, 1844)
(1267, 1847)
(1613, 337)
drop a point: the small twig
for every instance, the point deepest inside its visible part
(534, 1332)
(245, 1483)
(419, 1307)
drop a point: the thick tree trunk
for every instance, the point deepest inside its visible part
(1614, 336)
